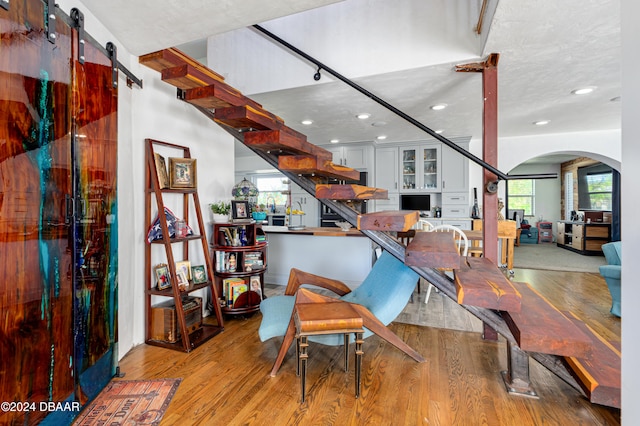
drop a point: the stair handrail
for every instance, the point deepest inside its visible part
(407, 117)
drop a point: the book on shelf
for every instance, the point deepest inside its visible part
(236, 290)
(227, 288)
(226, 261)
(252, 261)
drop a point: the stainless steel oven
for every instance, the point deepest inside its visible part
(277, 219)
(328, 217)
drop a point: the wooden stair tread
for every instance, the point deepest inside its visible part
(393, 220)
(170, 58)
(285, 141)
(246, 117)
(432, 250)
(313, 166)
(479, 282)
(541, 327)
(216, 95)
(599, 376)
(349, 192)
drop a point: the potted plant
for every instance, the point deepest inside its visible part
(220, 211)
(259, 212)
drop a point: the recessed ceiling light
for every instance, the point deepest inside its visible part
(439, 131)
(363, 116)
(307, 122)
(541, 122)
(379, 123)
(616, 99)
(381, 137)
(334, 140)
(583, 91)
(438, 107)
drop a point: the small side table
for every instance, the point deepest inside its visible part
(312, 319)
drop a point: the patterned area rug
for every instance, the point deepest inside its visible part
(130, 402)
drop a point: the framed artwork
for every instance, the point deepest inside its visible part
(254, 285)
(162, 276)
(198, 274)
(161, 169)
(182, 172)
(183, 282)
(184, 266)
(240, 209)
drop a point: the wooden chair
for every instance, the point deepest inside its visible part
(462, 242)
(379, 300)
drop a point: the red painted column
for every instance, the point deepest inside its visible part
(490, 156)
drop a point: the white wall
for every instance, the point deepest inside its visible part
(603, 146)
(630, 208)
(152, 112)
(373, 51)
(547, 193)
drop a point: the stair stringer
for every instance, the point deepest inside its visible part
(446, 286)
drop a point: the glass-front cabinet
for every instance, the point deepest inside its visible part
(420, 168)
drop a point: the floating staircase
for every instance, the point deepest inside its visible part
(531, 326)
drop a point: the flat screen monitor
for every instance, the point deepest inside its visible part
(415, 202)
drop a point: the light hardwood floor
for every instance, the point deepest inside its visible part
(226, 381)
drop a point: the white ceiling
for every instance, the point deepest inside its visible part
(547, 49)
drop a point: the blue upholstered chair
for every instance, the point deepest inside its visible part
(379, 300)
(612, 273)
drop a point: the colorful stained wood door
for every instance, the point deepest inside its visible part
(58, 234)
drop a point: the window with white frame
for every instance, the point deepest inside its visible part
(522, 195)
(273, 189)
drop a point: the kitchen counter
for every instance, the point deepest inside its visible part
(342, 256)
(316, 231)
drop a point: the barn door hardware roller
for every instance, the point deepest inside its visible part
(113, 54)
(78, 22)
(51, 21)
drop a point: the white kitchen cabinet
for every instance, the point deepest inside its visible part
(419, 167)
(455, 170)
(392, 203)
(386, 169)
(357, 157)
(308, 203)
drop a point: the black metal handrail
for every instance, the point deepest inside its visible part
(444, 140)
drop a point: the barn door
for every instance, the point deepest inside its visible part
(57, 217)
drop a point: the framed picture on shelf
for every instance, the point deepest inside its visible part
(184, 266)
(240, 209)
(254, 285)
(198, 274)
(183, 282)
(161, 169)
(163, 278)
(182, 173)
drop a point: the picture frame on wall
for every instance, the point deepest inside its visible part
(163, 279)
(240, 209)
(182, 173)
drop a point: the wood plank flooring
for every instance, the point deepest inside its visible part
(226, 381)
